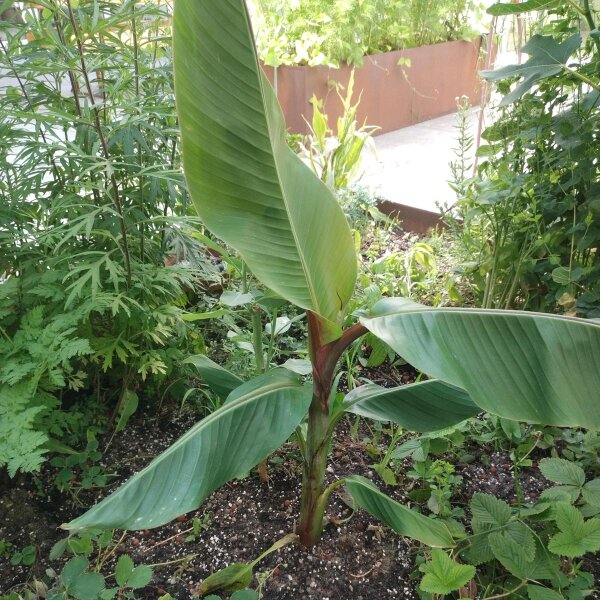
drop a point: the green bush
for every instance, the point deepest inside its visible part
(318, 32)
(529, 220)
(97, 258)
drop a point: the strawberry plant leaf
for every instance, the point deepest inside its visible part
(591, 492)
(562, 471)
(576, 536)
(491, 510)
(140, 577)
(537, 592)
(510, 554)
(444, 575)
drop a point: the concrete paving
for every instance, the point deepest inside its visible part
(411, 166)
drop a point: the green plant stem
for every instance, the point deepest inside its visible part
(589, 17)
(318, 440)
(509, 593)
(257, 341)
(312, 506)
(103, 142)
(272, 336)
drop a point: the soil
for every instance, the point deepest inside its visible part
(358, 558)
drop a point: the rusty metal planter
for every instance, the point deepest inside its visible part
(393, 96)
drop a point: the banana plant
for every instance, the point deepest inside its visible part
(254, 193)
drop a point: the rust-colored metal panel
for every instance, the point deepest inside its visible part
(393, 95)
(415, 220)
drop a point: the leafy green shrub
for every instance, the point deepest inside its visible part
(318, 32)
(97, 257)
(529, 218)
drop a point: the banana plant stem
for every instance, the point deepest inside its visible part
(320, 433)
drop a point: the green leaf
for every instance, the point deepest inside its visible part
(73, 569)
(422, 407)
(128, 406)
(298, 365)
(247, 185)
(223, 445)
(547, 57)
(245, 595)
(386, 474)
(501, 8)
(444, 575)
(480, 550)
(561, 275)
(58, 549)
(562, 471)
(204, 316)
(591, 492)
(87, 586)
(140, 577)
(576, 536)
(235, 298)
(521, 366)
(230, 579)
(220, 380)
(123, 569)
(537, 592)
(490, 510)
(510, 554)
(561, 493)
(401, 519)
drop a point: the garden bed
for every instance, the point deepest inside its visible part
(393, 94)
(359, 558)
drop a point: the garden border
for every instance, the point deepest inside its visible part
(392, 95)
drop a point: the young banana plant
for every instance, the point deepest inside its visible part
(253, 192)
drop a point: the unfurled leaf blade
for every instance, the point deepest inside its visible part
(140, 577)
(222, 446)
(591, 492)
(576, 537)
(537, 592)
(423, 407)
(124, 569)
(510, 554)
(401, 519)
(521, 366)
(247, 185)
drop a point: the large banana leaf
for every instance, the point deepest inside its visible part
(222, 446)
(422, 407)
(522, 366)
(248, 187)
(401, 519)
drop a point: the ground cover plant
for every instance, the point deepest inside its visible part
(256, 195)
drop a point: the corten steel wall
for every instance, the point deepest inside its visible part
(392, 96)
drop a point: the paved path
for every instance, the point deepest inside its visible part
(412, 165)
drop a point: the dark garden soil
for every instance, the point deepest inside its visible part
(357, 559)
